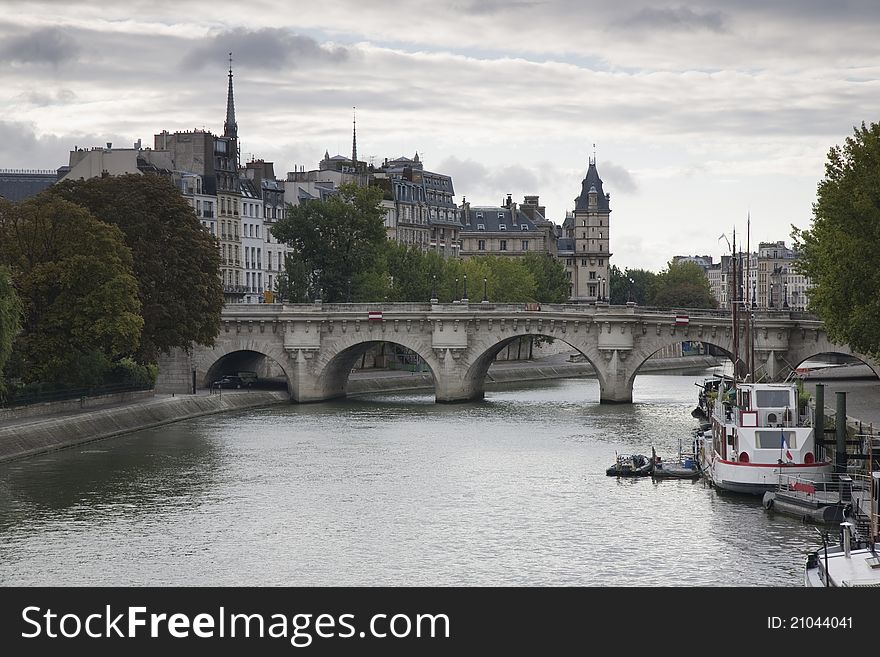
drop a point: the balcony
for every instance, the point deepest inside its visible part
(208, 214)
(234, 289)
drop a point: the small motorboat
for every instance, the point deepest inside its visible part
(634, 465)
(685, 468)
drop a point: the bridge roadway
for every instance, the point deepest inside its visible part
(316, 345)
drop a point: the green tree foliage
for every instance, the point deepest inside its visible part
(10, 319)
(74, 276)
(552, 284)
(336, 238)
(839, 251)
(682, 285)
(631, 285)
(176, 262)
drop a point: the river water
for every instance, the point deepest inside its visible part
(395, 490)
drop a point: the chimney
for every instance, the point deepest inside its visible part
(109, 145)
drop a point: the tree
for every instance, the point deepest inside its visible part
(683, 285)
(631, 285)
(552, 283)
(74, 275)
(176, 262)
(336, 238)
(839, 251)
(10, 319)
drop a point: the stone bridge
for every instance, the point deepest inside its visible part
(317, 345)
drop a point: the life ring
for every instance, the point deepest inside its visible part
(768, 503)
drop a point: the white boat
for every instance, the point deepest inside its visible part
(757, 437)
(842, 566)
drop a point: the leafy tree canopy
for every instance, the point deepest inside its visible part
(552, 284)
(10, 319)
(74, 276)
(631, 285)
(334, 239)
(682, 285)
(176, 262)
(839, 251)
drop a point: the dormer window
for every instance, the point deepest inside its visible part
(502, 226)
(523, 227)
(481, 226)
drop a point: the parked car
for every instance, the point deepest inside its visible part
(232, 382)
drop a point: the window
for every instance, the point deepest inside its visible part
(525, 245)
(601, 262)
(481, 226)
(592, 276)
(773, 439)
(503, 246)
(269, 259)
(500, 216)
(502, 226)
(592, 290)
(569, 261)
(523, 227)
(481, 245)
(583, 262)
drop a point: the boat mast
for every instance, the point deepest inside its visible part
(733, 305)
(748, 306)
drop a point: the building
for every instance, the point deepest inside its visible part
(767, 279)
(19, 184)
(506, 229)
(704, 262)
(586, 238)
(262, 175)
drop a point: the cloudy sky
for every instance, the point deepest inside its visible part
(701, 113)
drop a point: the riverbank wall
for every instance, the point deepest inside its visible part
(65, 430)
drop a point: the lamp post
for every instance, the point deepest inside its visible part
(348, 291)
(434, 289)
(485, 296)
(464, 299)
(754, 296)
(455, 294)
(785, 294)
(318, 290)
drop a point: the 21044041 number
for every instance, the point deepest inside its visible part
(809, 622)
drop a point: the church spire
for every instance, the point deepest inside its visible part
(230, 128)
(354, 137)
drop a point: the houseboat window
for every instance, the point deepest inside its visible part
(773, 439)
(772, 398)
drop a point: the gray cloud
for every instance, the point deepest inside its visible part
(22, 148)
(483, 184)
(617, 178)
(266, 48)
(46, 98)
(681, 19)
(49, 45)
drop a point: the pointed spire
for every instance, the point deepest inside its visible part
(354, 136)
(230, 128)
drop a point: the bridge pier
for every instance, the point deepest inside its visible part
(615, 380)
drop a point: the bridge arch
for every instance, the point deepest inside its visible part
(473, 381)
(211, 364)
(332, 367)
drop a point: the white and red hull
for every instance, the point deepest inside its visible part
(758, 478)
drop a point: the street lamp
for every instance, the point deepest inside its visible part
(754, 296)
(785, 293)
(348, 291)
(318, 291)
(465, 297)
(434, 289)
(485, 296)
(455, 294)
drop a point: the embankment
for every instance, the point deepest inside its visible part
(37, 436)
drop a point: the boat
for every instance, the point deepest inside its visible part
(685, 467)
(758, 437)
(843, 566)
(758, 432)
(634, 465)
(820, 501)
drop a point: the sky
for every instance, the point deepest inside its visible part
(699, 114)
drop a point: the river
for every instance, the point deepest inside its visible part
(395, 490)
